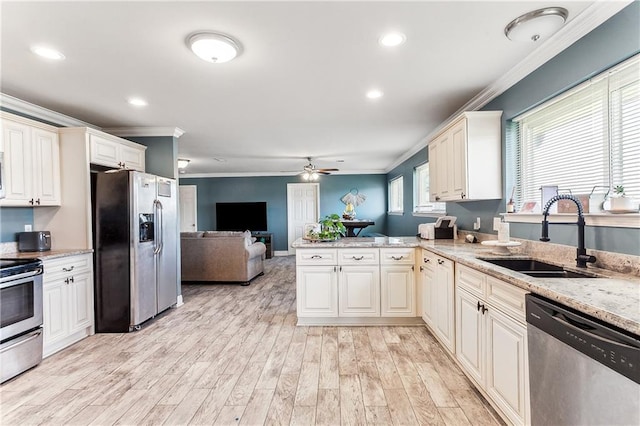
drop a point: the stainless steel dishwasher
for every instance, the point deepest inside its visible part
(581, 371)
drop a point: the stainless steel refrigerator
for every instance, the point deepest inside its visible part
(135, 229)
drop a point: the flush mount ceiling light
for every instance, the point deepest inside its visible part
(392, 39)
(183, 163)
(374, 94)
(213, 47)
(137, 102)
(535, 25)
(47, 52)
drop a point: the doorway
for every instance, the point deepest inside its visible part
(303, 206)
(188, 208)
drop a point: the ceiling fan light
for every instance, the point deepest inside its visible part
(305, 176)
(314, 176)
(213, 47)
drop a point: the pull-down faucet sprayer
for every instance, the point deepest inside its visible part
(582, 257)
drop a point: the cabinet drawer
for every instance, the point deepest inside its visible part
(65, 266)
(506, 297)
(471, 280)
(358, 257)
(397, 256)
(316, 257)
(429, 260)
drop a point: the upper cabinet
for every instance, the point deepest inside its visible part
(114, 152)
(465, 161)
(31, 161)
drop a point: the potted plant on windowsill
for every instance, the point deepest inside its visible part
(619, 203)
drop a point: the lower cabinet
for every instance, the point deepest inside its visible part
(317, 291)
(437, 292)
(359, 292)
(68, 301)
(491, 339)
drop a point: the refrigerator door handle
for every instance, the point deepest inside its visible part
(159, 227)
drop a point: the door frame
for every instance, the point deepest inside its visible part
(290, 204)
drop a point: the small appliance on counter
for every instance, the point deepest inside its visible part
(443, 228)
(34, 241)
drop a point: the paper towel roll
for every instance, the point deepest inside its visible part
(503, 232)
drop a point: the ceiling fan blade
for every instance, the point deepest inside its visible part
(327, 170)
(323, 172)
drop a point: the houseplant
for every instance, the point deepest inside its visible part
(330, 229)
(618, 202)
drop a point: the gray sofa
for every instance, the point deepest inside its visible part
(221, 256)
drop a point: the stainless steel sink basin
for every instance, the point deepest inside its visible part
(538, 269)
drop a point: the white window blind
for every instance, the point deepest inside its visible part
(395, 195)
(421, 192)
(586, 137)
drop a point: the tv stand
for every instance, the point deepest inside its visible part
(267, 239)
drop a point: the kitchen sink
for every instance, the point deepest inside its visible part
(538, 269)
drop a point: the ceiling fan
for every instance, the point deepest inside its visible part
(310, 172)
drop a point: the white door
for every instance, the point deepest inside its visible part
(188, 208)
(303, 206)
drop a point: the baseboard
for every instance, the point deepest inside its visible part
(361, 321)
(179, 301)
(280, 253)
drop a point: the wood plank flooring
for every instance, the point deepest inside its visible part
(234, 355)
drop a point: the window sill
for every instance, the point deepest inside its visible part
(429, 214)
(395, 213)
(626, 220)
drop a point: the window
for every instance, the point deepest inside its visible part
(395, 195)
(421, 203)
(586, 137)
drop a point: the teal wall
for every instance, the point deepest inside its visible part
(12, 220)
(161, 154)
(273, 190)
(614, 41)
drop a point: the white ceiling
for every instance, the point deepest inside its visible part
(297, 89)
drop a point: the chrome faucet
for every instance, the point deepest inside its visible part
(582, 257)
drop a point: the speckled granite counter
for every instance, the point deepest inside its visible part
(614, 298)
(51, 254)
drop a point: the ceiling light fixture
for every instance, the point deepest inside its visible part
(183, 163)
(535, 25)
(392, 39)
(213, 47)
(47, 52)
(374, 94)
(139, 102)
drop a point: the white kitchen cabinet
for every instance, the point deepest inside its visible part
(427, 271)
(397, 282)
(491, 338)
(359, 292)
(31, 161)
(437, 293)
(117, 153)
(68, 301)
(465, 160)
(317, 291)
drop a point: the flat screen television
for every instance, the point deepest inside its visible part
(241, 216)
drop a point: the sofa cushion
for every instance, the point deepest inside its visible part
(213, 234)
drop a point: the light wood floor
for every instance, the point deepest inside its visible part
(233, 355)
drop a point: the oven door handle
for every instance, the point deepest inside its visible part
(9, 281)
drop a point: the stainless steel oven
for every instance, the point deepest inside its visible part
(20, 316)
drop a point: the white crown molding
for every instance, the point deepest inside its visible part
(266, 174)
(581, 25)
(35, 111)
(175, 132)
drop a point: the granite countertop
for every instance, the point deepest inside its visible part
(613, 298)
(45, 255)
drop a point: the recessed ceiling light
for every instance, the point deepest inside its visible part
(392, 39)
(138, 102)
(213, 47)
(374, 94)
(47, 52)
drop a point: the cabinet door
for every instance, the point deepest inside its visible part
(104, 152)
(427, 275)
(133, 158)
(397, 288)
(470, 335)
(359, 291)
(46, 171)
(444, 314)
(442, 158)
(434, 170)
(55, 311)
(317, 291)
(507, 375)
(18, 164)
(80, 292)
(458, 161)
